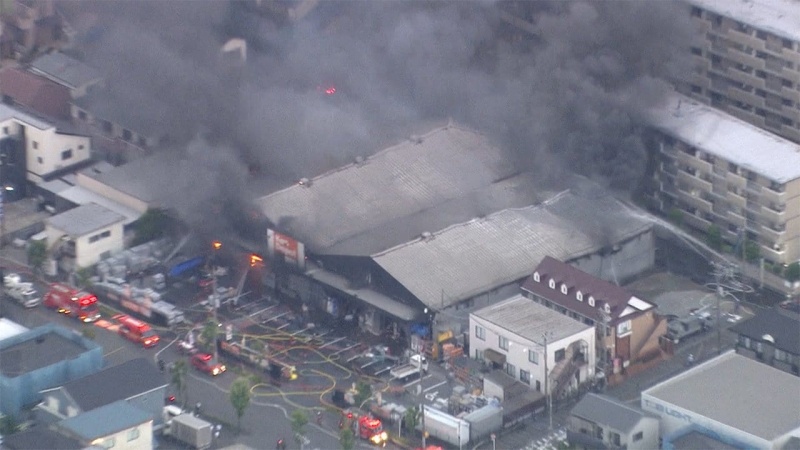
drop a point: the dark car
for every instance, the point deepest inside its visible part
(204, 362)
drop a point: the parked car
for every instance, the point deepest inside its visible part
(204, 362)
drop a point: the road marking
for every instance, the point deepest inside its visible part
(434, 386)
(410, 383)
(331, 342)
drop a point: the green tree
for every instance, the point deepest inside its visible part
(298, 422)
(363, 392)
(240, 398)
(752, 251)
(152, 225)
(179, 372)
(8, 425)
(793, 272)
(208, 336)
(347, 439)
(82, 277)
(411, 418)
(676, 216)
(714, 237)
(37, 253)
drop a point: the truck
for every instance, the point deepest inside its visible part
(411, 369)
(190, 430)
(143, 303)
(445, 427)
(23, 292)
(73, 302)
(365, 427)
(136, 331)
(683, 327)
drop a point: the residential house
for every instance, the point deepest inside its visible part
(137, 381)
(38, 438)
(37, 93)
(771, 336)
(628, 327)
(547, 351)
(118, 425)
(84, 235)
(602, 422)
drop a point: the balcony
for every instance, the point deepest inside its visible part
(736, 180)
(695, 163)
(736, 218)
(774, 213)
(694, 182)
(753, 187)
(773, 232)
(775, 196)
(774, 254)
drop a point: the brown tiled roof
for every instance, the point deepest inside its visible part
(576, 280)
(35, 92)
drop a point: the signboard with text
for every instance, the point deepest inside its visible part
(281, 245)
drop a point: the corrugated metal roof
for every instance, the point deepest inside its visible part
(65, 70)
(470, 258)
(737, 392)
(729, 138)
(82, 196)
(413, 177)
(530, 320)
(84, 219)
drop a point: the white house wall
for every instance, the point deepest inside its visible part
(674, 418)
(44, 150)
(89, 253)
(144, 440)
(517, 353)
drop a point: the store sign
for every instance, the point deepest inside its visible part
(282, 245)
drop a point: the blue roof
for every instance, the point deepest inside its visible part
(106, 420)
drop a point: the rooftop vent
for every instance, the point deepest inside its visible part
(416, 139)
(304, 182)
(360, 161)
(426, 236)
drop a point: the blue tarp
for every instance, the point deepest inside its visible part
(181, 268)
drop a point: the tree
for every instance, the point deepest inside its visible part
(364, 392)
(152, 225)
(714, 237)
(793, 272)
(82, 277)
(347, 439)
(299, 421)
(411, 418)
(208, 337)
(179, 372)
(676, 216)
(240, 398)
(37, 253)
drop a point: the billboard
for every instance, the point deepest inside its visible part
(281, 245)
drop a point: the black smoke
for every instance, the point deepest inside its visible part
(566, 96)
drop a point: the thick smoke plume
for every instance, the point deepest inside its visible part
(569, 95)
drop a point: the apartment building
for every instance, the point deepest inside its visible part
(718, 170)
(747, 61)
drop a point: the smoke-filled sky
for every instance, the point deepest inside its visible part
(569, 97)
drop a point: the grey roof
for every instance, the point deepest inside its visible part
(609, 412)
(106, 420)
(84, 219)
(736, 391)
(781, 327)
(473, 257)
(415, 177)
(780, 17)
(104, 104)
(120, 382)
(530, 320)
(9, 112)
(65, 70)
(37, 348)
(39, 438)
(10, 328)
(82, 196)
(695, 439)
(729, 138)
(55, 186)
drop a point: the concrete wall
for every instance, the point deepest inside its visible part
(633, 257)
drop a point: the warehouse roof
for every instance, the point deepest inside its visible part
(609, 411)
(120, 382)
(82, 196)
(778, 326)
(65, 70)
(735, 391)
(84, 219)
(729, 138)
(530, 320)
(106, 420)
(780, 17)
(39, 347)
(415, 177)
(463, 260)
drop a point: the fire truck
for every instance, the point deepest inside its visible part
(137, 331)
(366, 427)
(72, 302)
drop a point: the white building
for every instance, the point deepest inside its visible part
(742, 401)
(48, 147)
(118, 425)
(84, 235)
(529, 340)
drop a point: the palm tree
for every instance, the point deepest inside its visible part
(179, 371)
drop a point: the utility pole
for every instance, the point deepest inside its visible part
(547, 386)
(214, 299)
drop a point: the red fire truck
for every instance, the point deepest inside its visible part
(366, 427)
(136, 330)
(72, 302)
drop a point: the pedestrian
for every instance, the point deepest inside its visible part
(197, 409)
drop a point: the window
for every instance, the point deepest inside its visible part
(579, 296)
(35, 145)
(525, 376)
(127, 135)
(614, 438)
(66, 154)
(108, 443)
(591, 301)
(478, 354)
(480, 333)
(696, 12)
(564, 289)
(533, 357)
(39, 160)
(780, 355)
(82, 115)
(502, 342)
(536, 276)
(696, 51)
(80, 147)
(5, 130)
(133, 434)
(552, 284)
(638, 436)
(511, 370)
(624, 328)
(560, 354)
